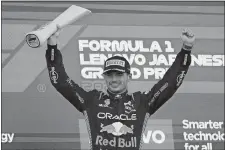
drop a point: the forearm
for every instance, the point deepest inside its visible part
(181, 63)
(55, 65)
(176, 73)
(172, 80)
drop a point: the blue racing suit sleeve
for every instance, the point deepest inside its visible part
(76, 95)
(171, 81)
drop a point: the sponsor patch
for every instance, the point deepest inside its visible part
(185, 59)
(68, 80)
(129, 107)
(53, 75)
(117, 129)
(52, 55)
(104, 115)
(106, 104)
(180, 78)
(116, 62)
(156, 95)
(116, 142)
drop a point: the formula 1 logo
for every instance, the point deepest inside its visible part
(53, 75)
(117, 129)
(180, 78)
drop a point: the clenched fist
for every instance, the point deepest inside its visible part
(53, 39)
(188, 39)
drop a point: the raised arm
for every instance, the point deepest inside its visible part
(77, 96)
(173, 78)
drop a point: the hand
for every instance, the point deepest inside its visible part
(188, 39)
(53, 39)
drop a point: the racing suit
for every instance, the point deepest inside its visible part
(116, 122)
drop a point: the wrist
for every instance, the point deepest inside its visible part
(52, 46)
(52, 40)
(187, 47)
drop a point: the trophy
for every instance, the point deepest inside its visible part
(37, 38)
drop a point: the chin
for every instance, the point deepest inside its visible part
(115, 90)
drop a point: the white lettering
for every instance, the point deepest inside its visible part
(185, 124)
(94, 59)
(152, 136)
(53, 75)
(136, 47)
(140, 59)
(92, 72)
(169, 47)
(121, 142)
(154, 60)
(148, 72)
(197, 60)
(158, 72)
(136, 73)
(218, 60)
(162, 60)
(82, 44)
(102, 115)
(115, 62)
(94, 45)
(185, 59)
(123, 45)
(180, 78)
(129, 59)
(207, 60)
(105, 45)
(155, 46)
(171, 58)
(142, 49)
(7, 137)
(202, 125)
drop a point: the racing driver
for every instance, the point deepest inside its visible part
(115, 119)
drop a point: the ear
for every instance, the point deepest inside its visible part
(129, 76)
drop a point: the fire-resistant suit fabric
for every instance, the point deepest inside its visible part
(116, 122)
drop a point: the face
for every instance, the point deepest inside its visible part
(116, 81)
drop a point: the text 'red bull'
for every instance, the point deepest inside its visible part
(119, 142)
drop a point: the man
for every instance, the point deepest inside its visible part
(116, 119)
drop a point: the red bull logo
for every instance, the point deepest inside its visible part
(116, 142)
(117, 129)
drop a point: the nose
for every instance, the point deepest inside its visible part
(114, 78)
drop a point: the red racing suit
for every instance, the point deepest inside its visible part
(116, 122)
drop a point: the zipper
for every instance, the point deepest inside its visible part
(117, 102)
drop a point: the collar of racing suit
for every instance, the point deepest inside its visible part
(117, 96)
